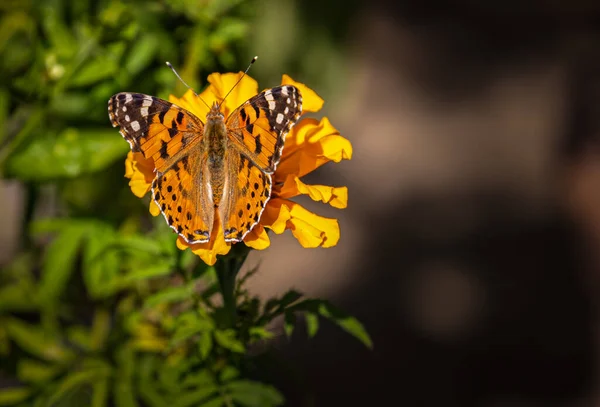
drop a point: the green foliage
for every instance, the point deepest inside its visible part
(99, 307)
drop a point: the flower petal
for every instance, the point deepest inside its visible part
(309, 145)
(257, 238)
(192, 103)
(311, 230)
(154, 209)
(311, 102)
(208, 251)
(140, 172)
(334, 196)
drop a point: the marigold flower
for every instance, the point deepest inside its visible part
(310, 144)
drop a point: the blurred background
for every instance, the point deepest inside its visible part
(470, 245)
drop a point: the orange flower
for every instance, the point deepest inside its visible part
(310, 144)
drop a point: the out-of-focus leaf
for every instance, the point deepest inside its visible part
(219, 401)
(123, 386)
(193, 398)
(254, 394)
(142, 53)
(20, 296)
(73, 381)
(289, 323)
(100, 263)
(205, 344)
(100, 329)
(226, 338)
(59, 263)
(72, 153)
(201, 378)
(100, 393)
(12, 395)
(33, 371)
(151, 396)
(34, 340)
(312, 324)
(79, 336)
(4, 105)
(33, 122)
(260, 332)
(169, 295)
(228, 374)
(58, 33)
(147, 272)
(95, 70)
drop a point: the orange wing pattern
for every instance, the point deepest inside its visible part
(168, 134)
(184, 199)
(156, 128)
(246, 198)
(258, 127)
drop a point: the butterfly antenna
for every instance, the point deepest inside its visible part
(186, 85)
(239, 80)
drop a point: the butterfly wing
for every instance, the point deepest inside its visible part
(154, 127)
(256, 133)
(171, 136)
(257, 128)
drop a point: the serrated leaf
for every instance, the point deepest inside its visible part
(227, 339)
(346, 322)
(312, 324)
(254, 394)
(12, 395)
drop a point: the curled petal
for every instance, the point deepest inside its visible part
(154, 209)
(207, 251)
(258, 238)
(334, 196)
(311, 230)
(221, 84)
(140, 172)
(309, 145)
(311, 102)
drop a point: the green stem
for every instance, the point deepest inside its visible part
(228, 268)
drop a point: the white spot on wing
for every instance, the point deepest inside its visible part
(279, 118)
(128, 98)
(144, 111)
(135, 125)
(289, 101)
(147, 102)
(272, 104)
(284, 91)
(124, 108)
(287, 109)
(127, 117)
(269, 96)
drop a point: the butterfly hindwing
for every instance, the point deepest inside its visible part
(248, 190)
(184, 199)
(154, 127)
(258, 127)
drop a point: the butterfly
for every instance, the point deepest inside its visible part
(217, 169)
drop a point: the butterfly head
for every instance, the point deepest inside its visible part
(215, 112)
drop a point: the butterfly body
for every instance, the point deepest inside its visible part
(219, 170)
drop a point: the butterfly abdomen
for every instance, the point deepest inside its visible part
(215, 139)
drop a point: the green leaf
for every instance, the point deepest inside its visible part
(142, 53)
(4, 107)
(254, 394)
(205, 345)
(147, 272)
(13, 395)
(228, 374)
(95, 70)
(100, 393)
(169, 295)
(201, 378)
(123, 389)
(34, 340)
(33, 371)
(59, 263)
(192, 398)
(226, 338)
(219, 401)
(288, 323)
(259, 332)
(312, 324)
(74, 381)
(71, 153)
(346, 322)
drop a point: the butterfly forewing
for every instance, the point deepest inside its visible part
(154, 127)
(258, 127)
